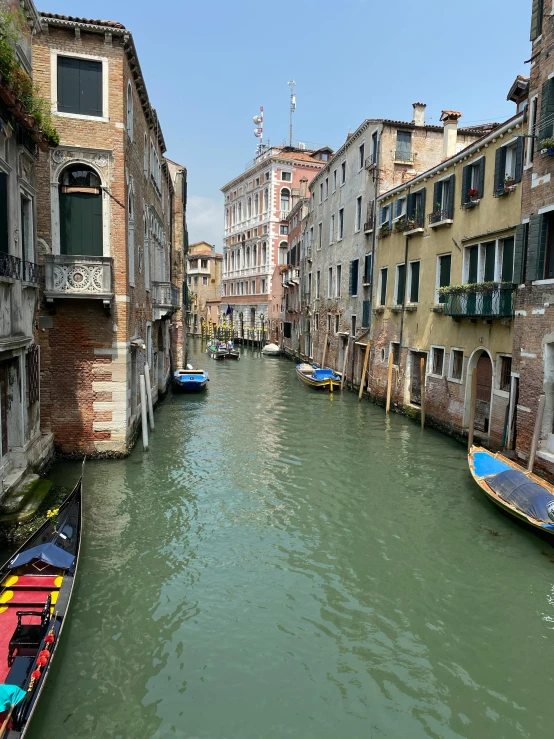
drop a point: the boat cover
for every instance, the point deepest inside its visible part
(324, 374)
(528, 497)
(49, 553)
(486, 464)
(10, 695)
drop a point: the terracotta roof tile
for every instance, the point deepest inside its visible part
(73, 19)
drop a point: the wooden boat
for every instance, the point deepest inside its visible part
(315, 376)
(37, 583)
(271, 350)
(216, 350)
(232, 353)
(519, 493)
(190, 380)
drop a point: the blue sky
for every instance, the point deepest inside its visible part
(210, 65)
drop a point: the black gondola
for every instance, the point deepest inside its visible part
(37, 583)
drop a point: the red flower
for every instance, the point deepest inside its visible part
(472, 192)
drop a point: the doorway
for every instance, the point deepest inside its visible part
(417, 379)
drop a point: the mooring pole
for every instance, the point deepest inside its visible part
(149, 395)
(364, 371)
(472, 401)
(389, 381)
(536, 433)
(144, 413)
(422, 378)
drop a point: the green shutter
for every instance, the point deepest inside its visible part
(68, 85)
(365, 314)
(466, 184)
(410, 205)
(536, 19)
(367, 269)
(421, 215)
(81, 224)
(546, 126)
(508, 260)
(500, 170)
(519, 253)
(4, 240)
(384, 277)
(414, 282)
(451, 191)
(473, 263)
(90, 79)
(445, 264)
(518, 173)
(401, 285)
(481, 177)
(490, 253)
(79, 86)
(535, 253)
(437, 192)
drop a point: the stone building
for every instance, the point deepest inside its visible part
(179, 252)
(22, 446)
(534, 322)
(257, 204)
(204, 285)
(449, 252)
(339, 242)
(105, 220)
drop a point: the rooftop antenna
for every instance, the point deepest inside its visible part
(292, 85)
(259, 131)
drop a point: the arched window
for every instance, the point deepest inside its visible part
(283, 248)
(247, 256)
(285, 199)
(255, 255)
(264, 253)
(130, 111)
(145, 154)
(266, 200)
(232, 261)
(80, 212)
(256, 204)
(131, 234)
(240, 212)
(249, 208)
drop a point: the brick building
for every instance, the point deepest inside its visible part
(204, 285)
(257, 204)
(105, 222)
(534, 322)
(22, 445)
(339, 241)
(179, 251)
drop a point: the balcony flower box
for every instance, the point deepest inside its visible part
(547, 146)
(483, 299)
(400, 225)
(384, 230)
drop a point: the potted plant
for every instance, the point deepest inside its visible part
(436, 215)
(509, 184)
(400, 224)
(547, 146)
(385, 229)
(473, 194)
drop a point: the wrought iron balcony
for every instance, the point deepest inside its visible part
(32, 273)
(69, 276)
(496, 303)
(10, 266)
(166, 298)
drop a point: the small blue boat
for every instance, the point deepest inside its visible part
(190, 380)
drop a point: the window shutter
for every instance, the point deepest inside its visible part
(466, 184)
(535, 266)
(490, 258)
(68, 85)
(499, 170)
(451, 190)
(437, 188)
(91, 88)
(381, 216)
(473, 264)
(365, 314)
(522, 231)
(481, 179)
(410, 203)
(414, 283)
(519, 159)
(546, 126)
(421, 215)
(401, 288)
(351, 280)
(507, 274)
(444, 273)
(536, 19)
(367, 268)
(4, 247)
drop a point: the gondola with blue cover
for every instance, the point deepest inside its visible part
(518, 493)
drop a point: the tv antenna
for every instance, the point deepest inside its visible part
(292, 85)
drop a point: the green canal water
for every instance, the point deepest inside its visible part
(284, 564)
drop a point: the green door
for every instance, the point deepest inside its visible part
(81, 224)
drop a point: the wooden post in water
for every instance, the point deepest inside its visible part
(344, 365)
(143, 403)
(149, 395)
(389, 381)
(325, 350)
(362, 380)
(473, 400)
(422, 376)
(536, 433)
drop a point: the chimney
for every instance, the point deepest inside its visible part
(303, 187)
(450, 119)
(419, 114)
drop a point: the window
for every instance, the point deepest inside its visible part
(145, 162)
(196, 280)
(334, 180)
(326, 188)
(444, 263)
(329, 323)
(383, 276)
(319, 235)
(156, 169)
(317, 284)
(358, 214)
(508, 166)
(505, 373)
(341, 224)
(266, 200)
(330, 283)
(79, 86)
(316, 321)
(540, 256)
(374, 144)
(257, 181)
(339, 280)
(286, 176)
(353, 326)
(343, 173)
(365, 314)
(367, 269)
(332, 229)
(456, 364)
(473, 182)
(354, 276)
(337, 323)
(283, 253)
(400, 208)
(403, 146)
(80, 212)
(443, 200)
(413, 282)
(267, 176)
(204, 263)
(27, 231)
(312, 201)
(283, 230)
(130, 111)
(263, 285)
(415, 209)
(437, 360)
(532, 132)
(249, 208)
(204, 280)
(321, 192)
(287, 332)
(536, 19)
(285, 200)
(384, 214)
(400, 285)
(507, 245)
(394, 349)
(361, 156)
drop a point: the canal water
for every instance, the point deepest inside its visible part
(285, 564)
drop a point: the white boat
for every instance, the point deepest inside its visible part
(272, 350)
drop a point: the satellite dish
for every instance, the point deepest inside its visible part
(258, 132)
(257, 119)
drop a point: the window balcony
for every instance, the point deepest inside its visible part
(10, 267)
(166, 299)
(440, 218)
(403, 157)
(480, 303)
(198, 270)
(69, 276)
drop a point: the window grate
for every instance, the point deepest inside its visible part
(506, 374)
(33, 373)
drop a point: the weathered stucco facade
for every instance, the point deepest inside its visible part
(204, 268)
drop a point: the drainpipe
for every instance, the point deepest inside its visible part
(405, 286)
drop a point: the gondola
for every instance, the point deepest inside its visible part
(519, 493)
(190, 380)
(37, 583)
(314, 376)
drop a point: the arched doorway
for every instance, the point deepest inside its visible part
(482, 362)
(80, 212)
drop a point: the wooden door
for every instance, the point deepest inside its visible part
(484, 390)
(416, 379)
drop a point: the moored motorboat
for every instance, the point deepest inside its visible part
(216, 349)
(232, 353)
(37, 583)
(314, 376)
(271, 350)
(521, 494)
(189, 380)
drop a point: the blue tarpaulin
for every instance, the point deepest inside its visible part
(515, 487)
(325, 374)
(485, 464)
(10, 695)
(49, 553)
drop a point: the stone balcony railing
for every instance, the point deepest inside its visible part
(166, 298)
(69, 276)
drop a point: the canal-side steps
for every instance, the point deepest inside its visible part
(23, 500)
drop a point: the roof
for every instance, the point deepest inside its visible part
(88, 21)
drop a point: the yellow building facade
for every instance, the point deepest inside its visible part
(447, 264)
